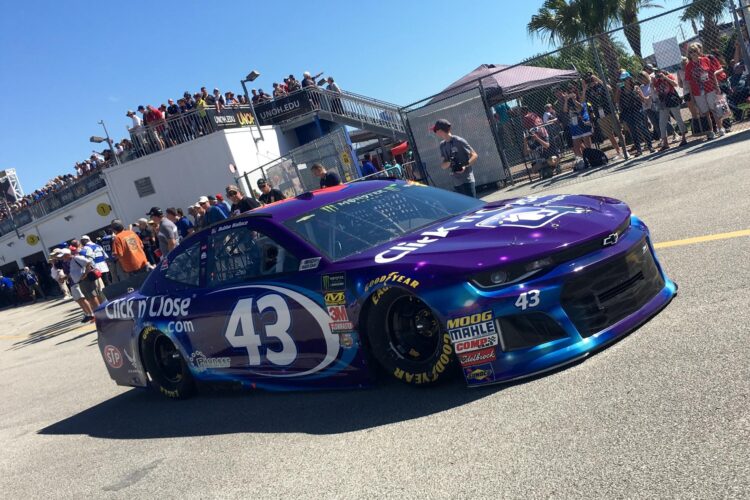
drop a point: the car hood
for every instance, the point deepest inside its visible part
(508, 231)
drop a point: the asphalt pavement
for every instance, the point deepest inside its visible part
(664, 413)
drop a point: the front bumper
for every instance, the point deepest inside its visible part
(564, 315)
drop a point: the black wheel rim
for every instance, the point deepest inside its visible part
(168, 360)
(412, 329)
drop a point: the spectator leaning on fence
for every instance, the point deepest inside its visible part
(327, 179)
(631, 112)
(269, 194)
(240, 203)
(665, 92)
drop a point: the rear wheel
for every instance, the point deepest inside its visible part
(407, 340)
(165, 365)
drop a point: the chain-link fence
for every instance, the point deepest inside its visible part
(676, 77)
(291, 173)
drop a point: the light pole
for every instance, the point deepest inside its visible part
(249, 78)
(98, 140)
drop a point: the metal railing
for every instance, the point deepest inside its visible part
(53, 201)
(158, 136)
(362, 111)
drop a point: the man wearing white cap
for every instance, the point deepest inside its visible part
(58, 272)
(80, 266)
(96, 253)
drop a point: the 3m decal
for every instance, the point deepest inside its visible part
(528, 299)
(532, 217)
(393, 277)
(429, 376)
(334, 282)
(471, 326)
(113, 356)
(477, 357)
(480, 373)
(476, 344)
(201, 363)
(307, 264)
(339, 319)
(403, 249)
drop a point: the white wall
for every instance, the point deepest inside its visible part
(53, 229)
(180, 175)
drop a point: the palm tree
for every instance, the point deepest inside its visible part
(709, 12)
(628, 14)
(566, 22)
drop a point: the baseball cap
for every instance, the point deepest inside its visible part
(130, 112)
(219, 197)
(141, 108)
(117, 225)
(85, 237)
(202, 199)
(262, 182)
(232, 189)
(441, 124)
(155, 212)
(65, 251)
(143, 220)
(625, 75)
(650, 66)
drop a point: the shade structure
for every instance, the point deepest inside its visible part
(502, 83)
(400, 149)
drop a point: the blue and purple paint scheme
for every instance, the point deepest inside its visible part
(315, 291)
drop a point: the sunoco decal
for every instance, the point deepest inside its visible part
(479, 373)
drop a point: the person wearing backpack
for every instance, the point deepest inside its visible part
(32, 282)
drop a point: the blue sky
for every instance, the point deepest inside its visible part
(66, 65)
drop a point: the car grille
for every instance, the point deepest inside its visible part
(528, 330)
(608, 292)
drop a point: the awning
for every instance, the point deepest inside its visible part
(400, 149)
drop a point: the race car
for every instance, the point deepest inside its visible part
(330, 288)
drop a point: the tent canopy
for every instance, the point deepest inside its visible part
(502, 83)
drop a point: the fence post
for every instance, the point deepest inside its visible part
(603, 77)
(500, 147)
(415, 152)
(738, 32)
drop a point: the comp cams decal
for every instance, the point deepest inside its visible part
(476, 344)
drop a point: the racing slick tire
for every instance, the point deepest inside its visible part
(165, 365)
(406, 339)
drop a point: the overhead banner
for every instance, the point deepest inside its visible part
(283, 108)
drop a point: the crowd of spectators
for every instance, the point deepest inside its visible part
(646, 106)
(150, 126)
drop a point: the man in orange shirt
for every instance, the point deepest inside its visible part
(127, 248)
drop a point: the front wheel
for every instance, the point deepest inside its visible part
(407, 341)
(165, 365)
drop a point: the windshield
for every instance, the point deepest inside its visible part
(355, 224)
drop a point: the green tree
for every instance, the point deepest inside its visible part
(628, 15)
(708, 12)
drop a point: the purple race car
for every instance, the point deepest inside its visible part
(322, 290)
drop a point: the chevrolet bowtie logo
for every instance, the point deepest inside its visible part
(610, 240)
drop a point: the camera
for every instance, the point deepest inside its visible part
(455, 166)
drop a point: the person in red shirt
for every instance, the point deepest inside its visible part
(154, 119)
(701, 74)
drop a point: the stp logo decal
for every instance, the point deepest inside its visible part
(113, 356)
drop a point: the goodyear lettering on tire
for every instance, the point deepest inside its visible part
(431, 376)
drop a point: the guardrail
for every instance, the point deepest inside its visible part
(363, 110)
(54, 201)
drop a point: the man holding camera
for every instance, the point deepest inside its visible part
(458, 156)
(543, 154)
(595, 92)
